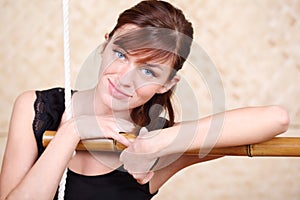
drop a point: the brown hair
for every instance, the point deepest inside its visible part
(165, 35)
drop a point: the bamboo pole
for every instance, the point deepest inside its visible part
(278, 146)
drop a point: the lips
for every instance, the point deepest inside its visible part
(117, 93)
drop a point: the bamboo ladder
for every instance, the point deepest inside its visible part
(278, 146)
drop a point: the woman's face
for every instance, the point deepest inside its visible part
(124, 82)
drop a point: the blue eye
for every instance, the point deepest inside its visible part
(120, 55)
(148, 72)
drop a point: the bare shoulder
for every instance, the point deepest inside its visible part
(25, 99)
(23, 113)
(24, 105)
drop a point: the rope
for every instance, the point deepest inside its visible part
(66, 34)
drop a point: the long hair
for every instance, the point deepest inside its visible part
(165, 35)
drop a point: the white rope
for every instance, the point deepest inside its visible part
(66, 34)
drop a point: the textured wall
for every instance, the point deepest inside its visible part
(255, 46)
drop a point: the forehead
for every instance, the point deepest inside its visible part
(145, 44)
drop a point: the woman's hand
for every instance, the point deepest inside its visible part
(138, 160)
(92, 127)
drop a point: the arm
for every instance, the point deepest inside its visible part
(22, 177)
(239, 127)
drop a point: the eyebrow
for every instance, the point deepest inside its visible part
(120, 47)
(154, 66)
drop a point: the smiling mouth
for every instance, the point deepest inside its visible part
(115, 92)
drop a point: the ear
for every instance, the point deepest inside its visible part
(106, 37)
(169, 84)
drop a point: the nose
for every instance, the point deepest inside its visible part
(126, 76)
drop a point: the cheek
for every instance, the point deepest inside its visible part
(107, 63)
(104, 68)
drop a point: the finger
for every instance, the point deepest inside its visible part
(143, 132)
(148, 177)
(139, 177)
(121, 139)
(145, 178)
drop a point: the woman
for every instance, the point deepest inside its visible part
(140, 58)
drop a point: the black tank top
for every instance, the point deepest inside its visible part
(118, 184)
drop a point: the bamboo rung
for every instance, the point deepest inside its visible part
(278, 146)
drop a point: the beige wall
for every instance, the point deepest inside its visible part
(254, 44)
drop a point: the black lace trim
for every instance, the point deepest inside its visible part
(49, 107)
